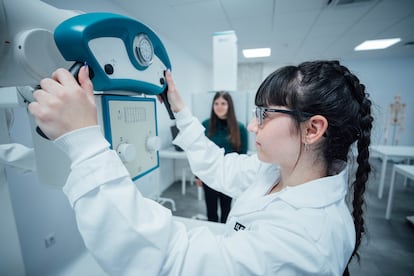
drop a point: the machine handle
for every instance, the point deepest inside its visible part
(167, 103)
(74, 70)
(164, 98)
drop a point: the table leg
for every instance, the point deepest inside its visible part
(200, 193)
(390, 195)
(382, 178)
(406, 178)
(183, 181)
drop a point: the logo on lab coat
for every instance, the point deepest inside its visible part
(239, 226)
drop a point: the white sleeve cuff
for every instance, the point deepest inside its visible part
(190, 129)
(183, 118)
(82, 144)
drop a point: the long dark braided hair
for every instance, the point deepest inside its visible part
(329, 89)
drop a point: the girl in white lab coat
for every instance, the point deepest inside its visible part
(290, 216)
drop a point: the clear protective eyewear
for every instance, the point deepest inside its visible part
(260, 113)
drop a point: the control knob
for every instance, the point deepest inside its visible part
(127, 152)
(153, 143)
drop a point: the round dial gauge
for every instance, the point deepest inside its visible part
(143, 50)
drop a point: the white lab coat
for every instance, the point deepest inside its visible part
(301, 230)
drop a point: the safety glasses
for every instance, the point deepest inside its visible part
(260, 113)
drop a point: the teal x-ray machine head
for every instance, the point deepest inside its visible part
(124, 57)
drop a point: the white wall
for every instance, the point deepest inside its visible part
(40, 210)
(250, 76)
(384, 79)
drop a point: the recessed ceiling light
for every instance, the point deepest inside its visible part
(254, 53)
(376, 44)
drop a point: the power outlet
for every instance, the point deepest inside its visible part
(50, 240)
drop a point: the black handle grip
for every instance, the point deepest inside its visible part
(74, 70)
(167, 104)
(164, 98)
(41, 133)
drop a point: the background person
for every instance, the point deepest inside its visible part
(226, 132)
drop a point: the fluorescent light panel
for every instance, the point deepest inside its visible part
(254, 53)
(376, 44)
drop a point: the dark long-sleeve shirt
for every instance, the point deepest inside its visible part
(221, 136)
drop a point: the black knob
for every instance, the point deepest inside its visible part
(109, 69)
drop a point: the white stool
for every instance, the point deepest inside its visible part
(163, 200)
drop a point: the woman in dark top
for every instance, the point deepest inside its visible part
(225, 131)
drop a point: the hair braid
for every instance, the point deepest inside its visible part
(364, 167)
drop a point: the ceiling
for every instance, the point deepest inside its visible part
(295, 30)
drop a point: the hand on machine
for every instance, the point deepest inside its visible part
(74, 70)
